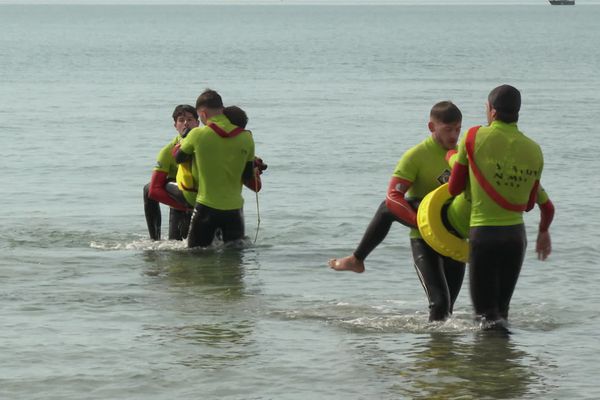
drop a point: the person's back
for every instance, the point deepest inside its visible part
(220, 162)
(503, 168)
(510, 162)
(223, 154)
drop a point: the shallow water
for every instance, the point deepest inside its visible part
(93, 309)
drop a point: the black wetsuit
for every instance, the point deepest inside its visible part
(496, 256)
(440, 276)
(206, 221)
(179, 221)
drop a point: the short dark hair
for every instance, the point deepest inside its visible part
(236, 116)
(445, 112)
(182, 109)
(506, 100)
(209, 99)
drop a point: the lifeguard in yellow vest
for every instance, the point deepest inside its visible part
(223, 154)
(503, 168)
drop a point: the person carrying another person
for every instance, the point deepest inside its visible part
(223, 155)
(503, 168)
(421, 169)
(186, 185)
(160, 188)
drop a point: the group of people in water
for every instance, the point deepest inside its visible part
(462, 200)
(199, 174)
(491, 177)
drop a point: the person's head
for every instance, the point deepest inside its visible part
(209, 104)
(445, 120)
(184, 117)
(236, 116)
(503, 104)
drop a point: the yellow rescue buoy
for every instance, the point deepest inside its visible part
(432, 229)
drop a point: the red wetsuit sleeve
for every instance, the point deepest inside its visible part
(458, 179)
(254, 183)
(157, 191)
(547, 210)
(396, 202)
(532, 196)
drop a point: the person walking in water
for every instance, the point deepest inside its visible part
(224, 157)
(503, 168)
(421, 169)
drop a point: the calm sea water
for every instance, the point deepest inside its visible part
(90, 308)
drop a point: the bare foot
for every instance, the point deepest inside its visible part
(350, 263)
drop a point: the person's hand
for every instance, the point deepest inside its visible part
(543, 245)
(175, 149)
(449, 154)
(259, 165)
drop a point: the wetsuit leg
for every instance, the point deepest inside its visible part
(152, 213)
(202, 226)
(454, 271)
(496, 257)
(231, 223)
(440, 276)
(377, 230)
(179, 224)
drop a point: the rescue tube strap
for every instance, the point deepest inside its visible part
(484, 183)
(224, 134)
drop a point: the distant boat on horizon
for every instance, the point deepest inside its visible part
(562, 2)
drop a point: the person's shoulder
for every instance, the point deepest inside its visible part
(197, 131)
(414, 153)
(167, 147)
(531, 142)
(422, 147)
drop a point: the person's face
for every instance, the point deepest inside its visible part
(184, 122)
(445, 134)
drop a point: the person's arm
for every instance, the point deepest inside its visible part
(179, 155)
(458, 179)
(158, 192)
(543, 245)
(252, 173)
(459, 163)
(397, 204)
(533, 196)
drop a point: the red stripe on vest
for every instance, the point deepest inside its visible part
(224, 134)
(487, 187)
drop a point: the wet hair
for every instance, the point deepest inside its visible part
(506, 100)
(209, 99)
(445, 112)
(182, 109)
(236, 116)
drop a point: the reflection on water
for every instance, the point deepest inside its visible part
(214, 344)
(208, 324)
(491, 366)
(214, 271)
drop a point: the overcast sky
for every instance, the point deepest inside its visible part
(366, 2)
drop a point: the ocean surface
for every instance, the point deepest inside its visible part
(90, 308)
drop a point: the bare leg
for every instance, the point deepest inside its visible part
(376, 231)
